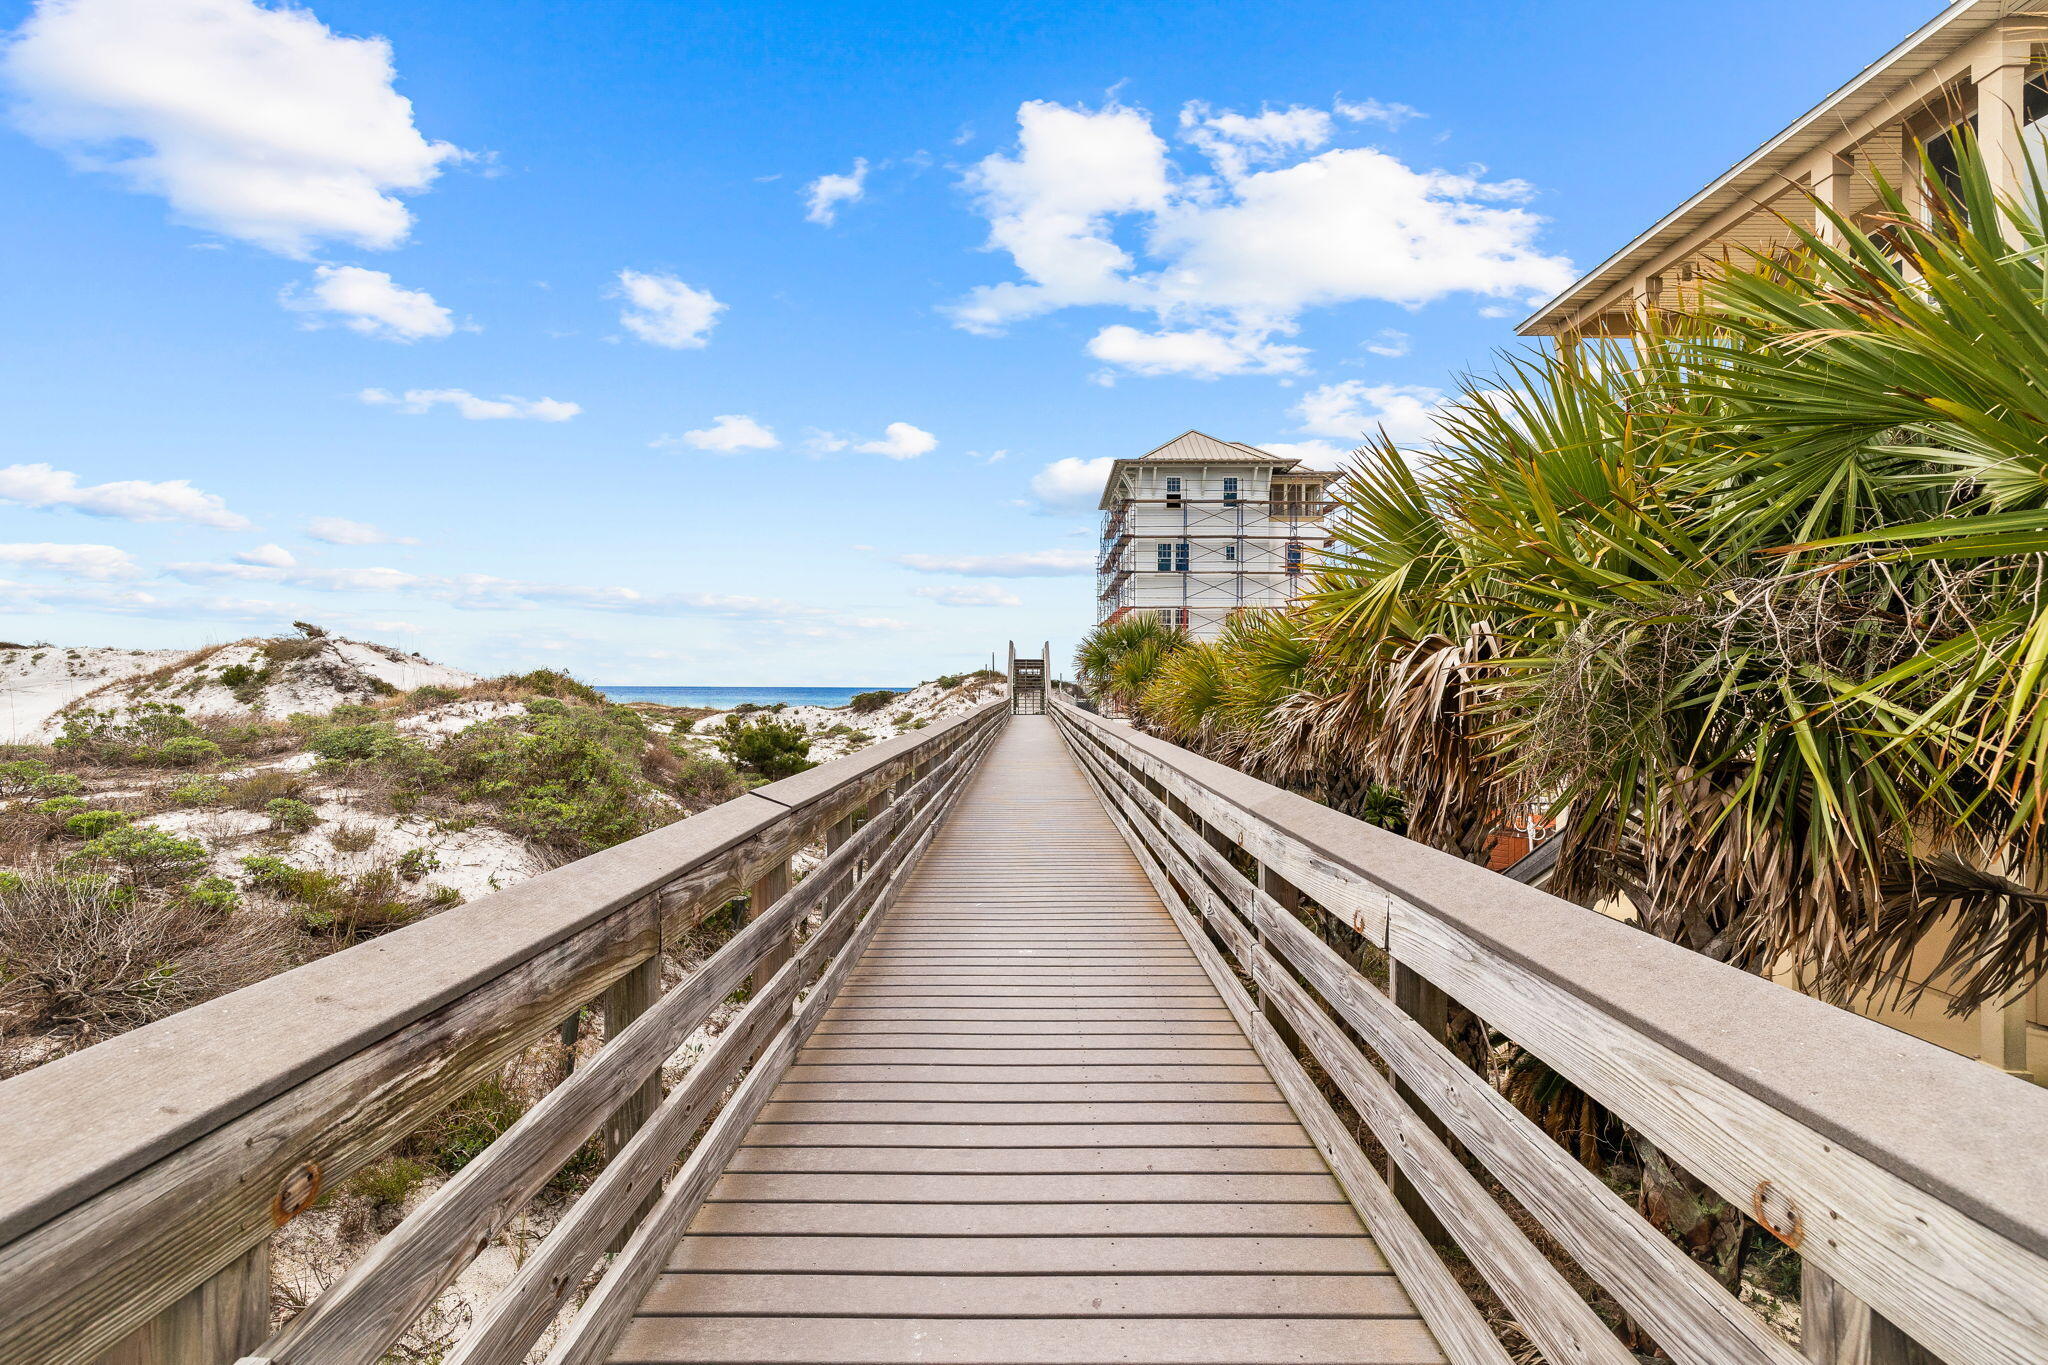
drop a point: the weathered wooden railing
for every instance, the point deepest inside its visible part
(140, 1180)
(1913, 1182)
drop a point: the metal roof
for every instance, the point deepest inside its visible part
(1198, 447)
(1764, 171)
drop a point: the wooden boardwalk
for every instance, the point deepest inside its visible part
(1028, 1131)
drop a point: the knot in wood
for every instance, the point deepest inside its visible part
(296, 1194)
(1780, 1217)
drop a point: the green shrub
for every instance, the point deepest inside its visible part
(238, 675)
(949, 681)
(187, 751)
(90, 824)
(354, 742)
(145, 855)
(200, 791)
(60, 805)
(130, 735)
(389, 1183)
(10, 881)
(416, 863)
(550, 682)
(354, 713)
(431, 694)
(570, 779)
(57, 784)
(441, 897)
(702, 780)
(769, 748)
(214, 894)
(291, 815)
(866, 703)
(281, 879)
(352, 838)
(21, 775)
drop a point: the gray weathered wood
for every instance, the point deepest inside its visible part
(117, 1204)
(1837, 1328)
(1913, 1207)
(213, 1324)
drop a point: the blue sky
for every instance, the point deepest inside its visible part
(493, 374)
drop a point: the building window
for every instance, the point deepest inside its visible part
(1293, 557)
(1173, 491)
(1165, 557)
(1230, 554)
(1943, 160)
(1180, 557)
(1229, 492)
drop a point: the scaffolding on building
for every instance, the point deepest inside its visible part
(1213, 547)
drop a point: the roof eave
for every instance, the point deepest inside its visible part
(1930, 44)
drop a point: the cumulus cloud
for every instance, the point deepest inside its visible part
(901, 441)
(38, 485)
(823, 196)
(1198, 351)
(1409, 413)
(71, 561)
(728, 433)
(367, 301)
(1072, 484)
(270, 556)
(476, 409)
(253, 121)
(342, 531)
(663, 311)
(985, 595)
(1280, 222)
(1024, 564)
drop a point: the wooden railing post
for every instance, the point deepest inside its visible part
(1288, 895)
(216, 1324)
(1837, 1328)
(772, 887)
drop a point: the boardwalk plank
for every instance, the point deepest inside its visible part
(1027, 1131)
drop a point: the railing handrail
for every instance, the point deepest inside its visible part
(82, 1129)
(1966, 1201)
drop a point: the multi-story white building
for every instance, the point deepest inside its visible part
(1201, 528)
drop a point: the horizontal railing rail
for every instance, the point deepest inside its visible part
(140, 1179)
(1911, 1180)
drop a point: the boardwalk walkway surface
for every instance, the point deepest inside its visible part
(1028, 1131)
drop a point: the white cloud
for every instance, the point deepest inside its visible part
(1199, 352)
(1408, 413)
(254, 121)
(824, 442)
(663, 311)
(1373, 111)
(1025, 564)
(342, 531)
(824, 195)
(1072, 484)
(1281, 222)
(991, 457)
(72, 561)
(985, 595)
(367, 301)
(1388, 342)
(270, 556)
(43, 598)
(729, 432)
(476, 409)
(38, 485)
(901, 441)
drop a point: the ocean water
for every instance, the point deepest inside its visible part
(725, 698)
